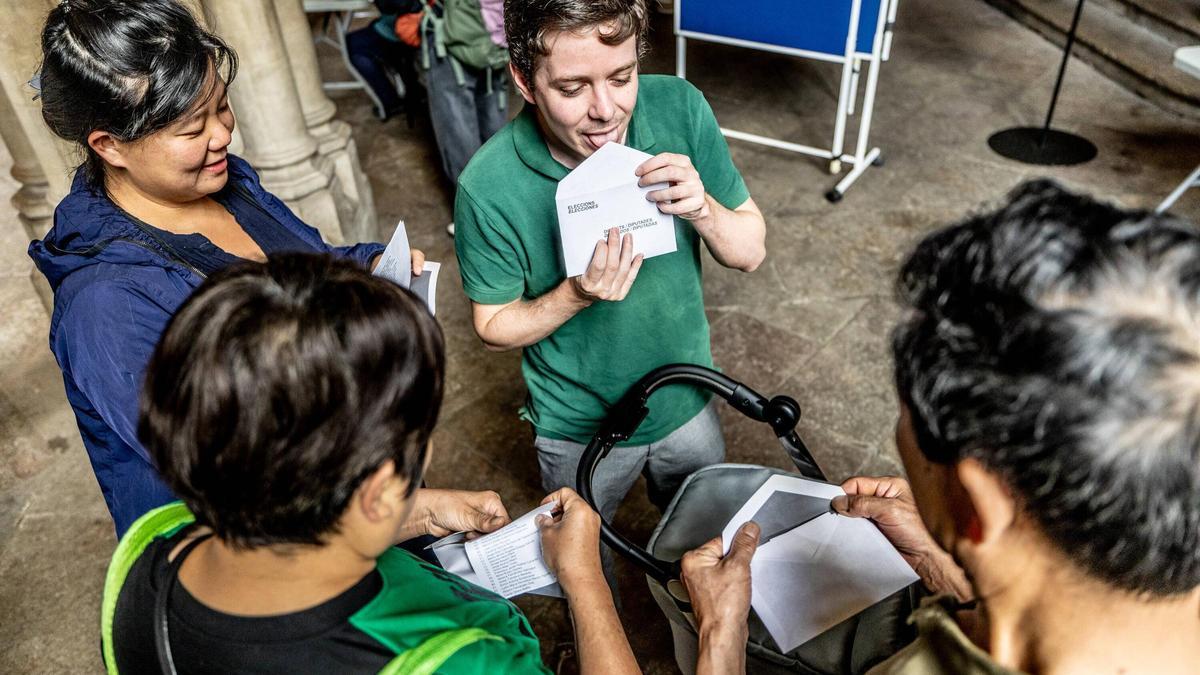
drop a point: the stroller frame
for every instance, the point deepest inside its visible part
(782, 413)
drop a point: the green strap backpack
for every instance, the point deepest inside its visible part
(461, 35)
(424, 659)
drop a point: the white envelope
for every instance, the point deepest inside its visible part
(603, 193)
(809, 579)
(507, 562)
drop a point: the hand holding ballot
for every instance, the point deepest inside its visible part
(393, 265)
(612, 271)
(685, 197)
(604, 193)
(888, 503)
(719, 586)
(811, 570)
(569, 534)
(442, 512)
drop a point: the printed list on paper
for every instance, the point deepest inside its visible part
(509, 560)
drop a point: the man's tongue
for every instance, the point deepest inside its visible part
(597, 140)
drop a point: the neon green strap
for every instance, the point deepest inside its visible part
(160, 521)
(427, 657)
(424, 659)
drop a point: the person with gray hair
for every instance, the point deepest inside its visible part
(1048, 370)
(587, 338)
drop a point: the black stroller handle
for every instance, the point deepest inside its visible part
(782, 413)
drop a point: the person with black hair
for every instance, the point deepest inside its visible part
(1048, 370)
(290, 405)
(158, 204)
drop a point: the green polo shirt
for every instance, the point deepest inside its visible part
(508, 248)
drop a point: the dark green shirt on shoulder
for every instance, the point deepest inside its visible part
(508, 249)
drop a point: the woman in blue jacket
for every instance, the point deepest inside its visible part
(158, 205)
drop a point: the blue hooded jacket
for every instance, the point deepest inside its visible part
(116, 284)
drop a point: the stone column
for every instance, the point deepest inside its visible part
(20, 57)
(274, 132)
(31, 201)
(42, 163)
(335, 143)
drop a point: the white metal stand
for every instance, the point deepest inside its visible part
(1191, 181)
(851, 61)
(1187, 59)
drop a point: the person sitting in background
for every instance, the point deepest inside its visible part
(158, 204)
(1048, 369)
(290, 405)
(377, 51)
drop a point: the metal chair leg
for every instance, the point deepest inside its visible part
(1192, 180)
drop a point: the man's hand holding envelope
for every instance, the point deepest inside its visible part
(612, 214)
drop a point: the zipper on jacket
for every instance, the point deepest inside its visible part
(92, 251)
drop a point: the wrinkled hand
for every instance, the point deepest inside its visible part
(611, 273)
(447, 511)
(888, 502)
(571, 539)
(685, 196)
(719, 587)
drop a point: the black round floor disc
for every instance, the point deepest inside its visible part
(1026, 144)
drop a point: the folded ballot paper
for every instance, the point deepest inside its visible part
(396, 266)
(507, 562)
(813, 568)
(603, 193)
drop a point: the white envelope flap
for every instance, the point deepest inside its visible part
(612, 165)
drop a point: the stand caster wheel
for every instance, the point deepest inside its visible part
(878, 160)
(833, 196)
(835, 166)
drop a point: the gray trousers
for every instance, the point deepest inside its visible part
(464, 116)
(665, 463)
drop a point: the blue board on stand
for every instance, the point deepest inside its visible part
(811, 25)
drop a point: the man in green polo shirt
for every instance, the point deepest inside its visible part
(586, 339)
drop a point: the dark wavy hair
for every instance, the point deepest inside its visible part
(527, 23)
(1057, 341)
(128, 67)
(278, 387)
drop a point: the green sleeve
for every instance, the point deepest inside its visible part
(487, 259)
(497, 657)
(710, 155)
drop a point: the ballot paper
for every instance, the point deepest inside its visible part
(507, 561)
(603, 193)
(814, 568)
(395, 265)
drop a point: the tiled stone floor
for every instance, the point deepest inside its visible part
(811, 322)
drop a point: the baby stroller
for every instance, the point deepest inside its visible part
(705, 502)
